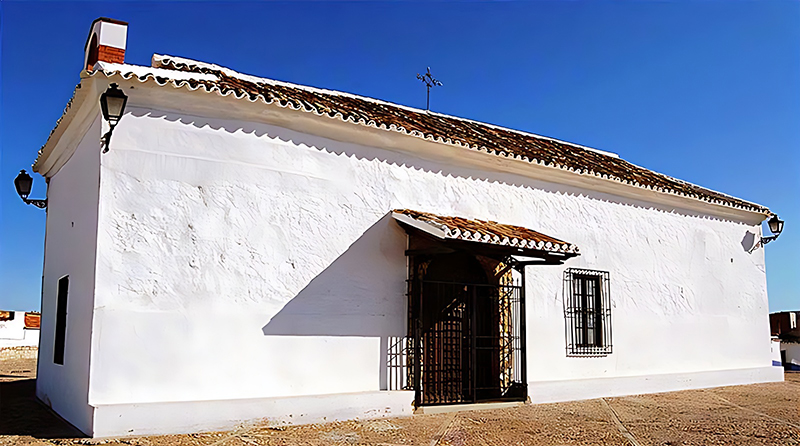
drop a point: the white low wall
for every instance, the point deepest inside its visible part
(14, 334)
(204, 416)
(583, 389)
(28, 338)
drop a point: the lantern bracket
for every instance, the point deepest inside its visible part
(105, 140)
(765, 240)
(775, 225)
(41, 204)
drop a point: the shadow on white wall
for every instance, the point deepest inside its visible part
(361, 294)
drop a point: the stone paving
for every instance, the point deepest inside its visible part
(759, 414)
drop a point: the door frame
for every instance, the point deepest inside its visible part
(509, 344)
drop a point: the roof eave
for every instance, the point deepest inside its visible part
(80, 112)
(396, 138)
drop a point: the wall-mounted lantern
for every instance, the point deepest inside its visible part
(775, 226)
(23, 182)
(112, 103)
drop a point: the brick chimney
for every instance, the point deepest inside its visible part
(106, 42)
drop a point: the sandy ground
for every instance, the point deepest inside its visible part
(759, 414)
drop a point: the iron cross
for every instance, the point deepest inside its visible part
(429, 82)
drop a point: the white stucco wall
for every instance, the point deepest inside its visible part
(241, 260)
(775, 351)
(792, 355)
(72, 199)
(210, 263)
(27, 338)
(14, 334)
(13, 329)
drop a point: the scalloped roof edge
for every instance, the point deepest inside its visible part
(163, 59)
(162, 75)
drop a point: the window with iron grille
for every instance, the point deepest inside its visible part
(587, 310)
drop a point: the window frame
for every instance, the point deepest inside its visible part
(60, 341)
(587, 312)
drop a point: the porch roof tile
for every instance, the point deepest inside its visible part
(485, 231)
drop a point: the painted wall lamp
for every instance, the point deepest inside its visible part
(112, 103)
(23, 182)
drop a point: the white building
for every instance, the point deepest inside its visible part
(253, 249)
(790, 355)
(19, 330)
(786, 334)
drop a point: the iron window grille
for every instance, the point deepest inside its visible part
(587, 312)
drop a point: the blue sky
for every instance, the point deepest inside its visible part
(708, 92)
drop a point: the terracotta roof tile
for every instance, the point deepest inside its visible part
(490, 232)
(432, 126)
(33, 320)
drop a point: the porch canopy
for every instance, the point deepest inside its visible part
(487, 238)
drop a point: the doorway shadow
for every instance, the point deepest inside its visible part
(362, 293)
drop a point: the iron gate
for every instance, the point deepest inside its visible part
(465, 343)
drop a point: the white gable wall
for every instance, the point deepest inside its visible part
(72, 199)
(241, 261)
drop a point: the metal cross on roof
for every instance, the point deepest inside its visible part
(429, 81)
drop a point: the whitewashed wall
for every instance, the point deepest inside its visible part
(775, 351)
(240, 260)
(26, 338)
(14, 334)
(13, 329)
(792, 354)
(72, 200)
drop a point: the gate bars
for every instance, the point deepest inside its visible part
(462, 354)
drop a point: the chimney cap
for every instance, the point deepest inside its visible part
(102, 19)
(106, 42)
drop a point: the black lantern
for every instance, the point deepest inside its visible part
(112, 103)
(775, 225)
(23, 183)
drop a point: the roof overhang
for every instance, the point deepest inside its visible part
(524, 246)
(170, 90)
(79, 114)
